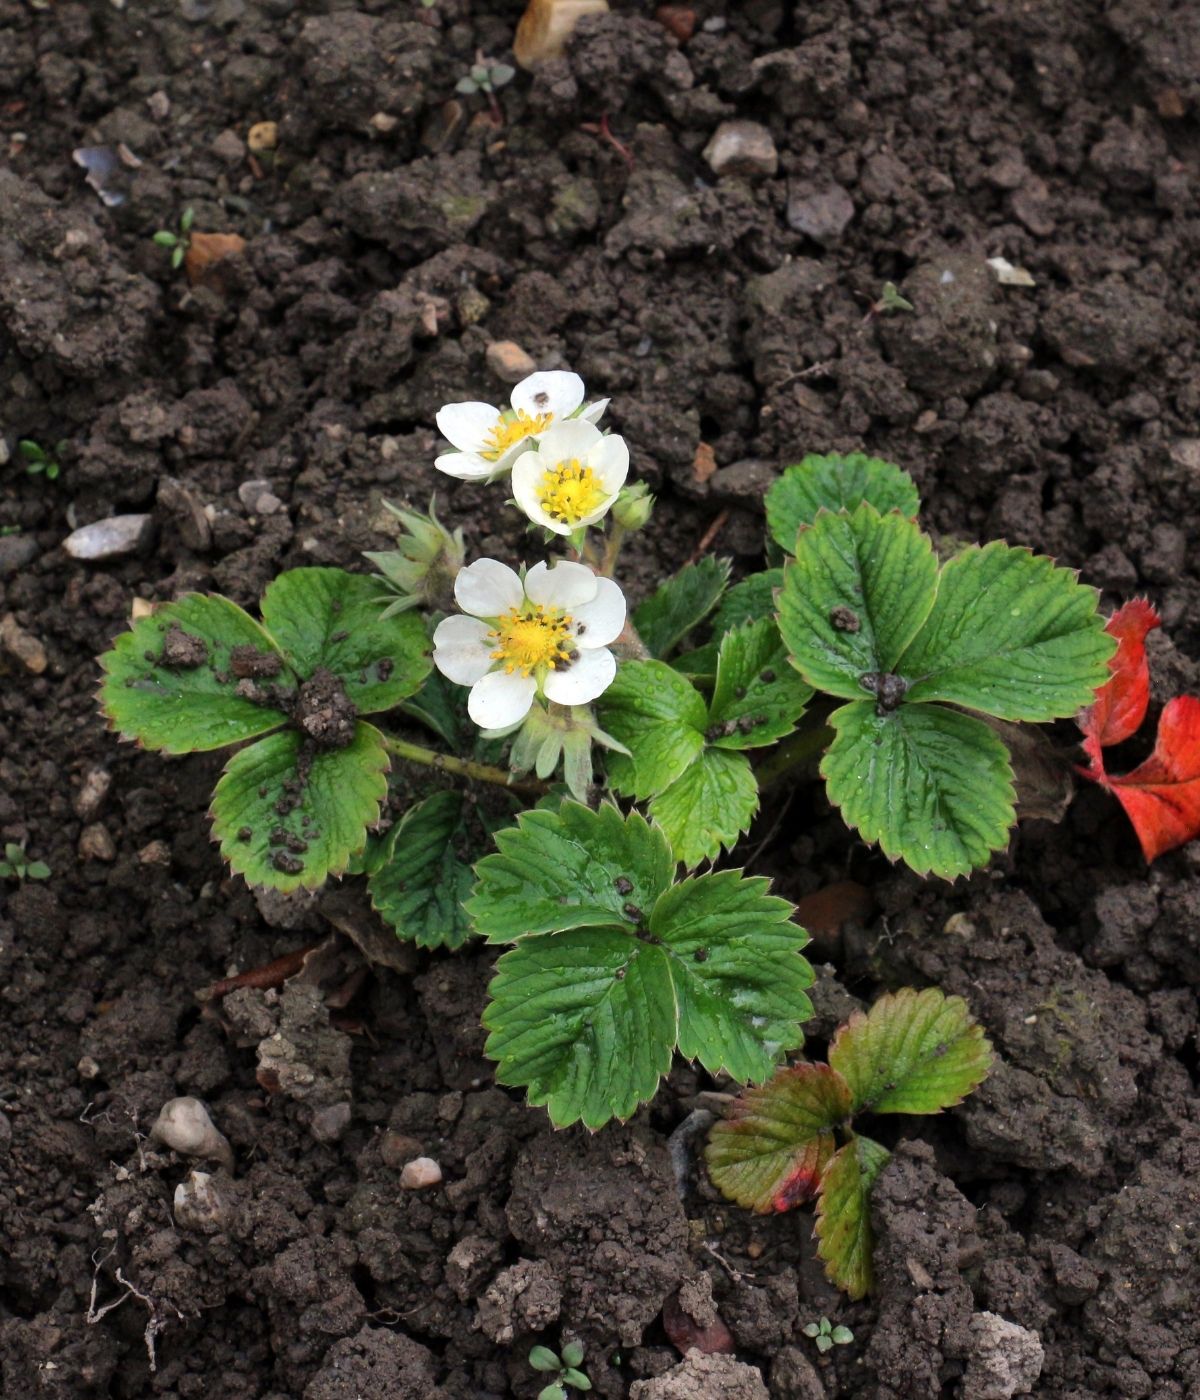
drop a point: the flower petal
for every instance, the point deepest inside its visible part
(527, 474)
(467, 425)
(501, 699)
(555, 391)
(593, 412)
(566, 585)
(466, 466)
(589, 675)
(603, 619)
(461, 649)
(609, 459)
(488, 588)
(563, 441)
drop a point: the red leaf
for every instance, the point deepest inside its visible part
(1120, 704)
(1162, 796)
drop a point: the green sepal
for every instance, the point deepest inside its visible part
(288, 815)
(845, 1240)
(680, 604)
(188, 709)
(330, 618)
(835, 483)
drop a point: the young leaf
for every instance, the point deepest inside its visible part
(419, 883)
(769, 1153)
(740, 982)
(1119, 708)
(660, 718)
(170, 682)
(1161, 796)
(747, 601)
(679, 604)
(330, 618)
(288, 815)
(844, 1238)
(543, 1359)
(912, 1052)
(709, 807)
(1010, 634)
(576, 1379)
(933, 786)
(553, 1391)
(573, 868)
(757, 697)
(572, 1354)
(835, 483)
(854, 597)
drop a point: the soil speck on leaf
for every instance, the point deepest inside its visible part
(325, 712)
(181, 651)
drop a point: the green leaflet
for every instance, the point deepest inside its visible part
(770, 1152)
(570, 868)
(913, 1052)
(757, 697)
(749, 600)
(328, 799)
(845, 1242)
(679, 604)
(332, 619)
(660, 717)
(188, 705)
(835, 483)
(709, 807)
(419, 881)
(854, 597)
(933, 786)
(1012, 635)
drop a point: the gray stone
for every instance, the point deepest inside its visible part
(110, 539)
(258, 498)
(1005, 1360)
(16, 551)
(700, 1377)
(229, 147)
(819, 211)
(742, 148)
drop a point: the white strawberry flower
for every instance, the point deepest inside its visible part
(572, 477)
(488, 440)
(546, 634)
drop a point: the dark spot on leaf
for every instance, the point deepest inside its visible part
(940, 1049)
(339, 636)
(623, 884)
(384, 667)
(739, 692)
(278, 836)
(262, 792)
(325, 712)
(289, 865)
(767, 676)
(620, 974)
(844, 619)
(335, 606)
(245, 833)
(801, 1186)
(888, 690)
(701, 955)
(296, 845)
(631, 911)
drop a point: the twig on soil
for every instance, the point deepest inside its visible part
(735, 1274)
(272, 974)
(706, 539)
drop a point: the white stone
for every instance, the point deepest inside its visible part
(109, 539)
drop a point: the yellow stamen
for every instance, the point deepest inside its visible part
(527, 641)
(512, 428)
(570, 492)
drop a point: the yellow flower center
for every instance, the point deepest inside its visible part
(570, 492)
(527, 641)
(512, 428)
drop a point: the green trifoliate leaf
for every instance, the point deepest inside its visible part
(740, 981)
(421, 878)
(171, 681)
(845, 1239)
(769, 1153)
(709, 807)
(680, 604)
(587, 1020)
(933, 786)
(660, 717)
(912, 1052)
(572, 868)
(289, 815)
(835, 483)
(748, 601)
(1012, 635)
(330, 618)
(757, 697)
(854, 597)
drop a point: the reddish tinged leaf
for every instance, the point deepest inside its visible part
(1120, 704)
(1162, 795)
(770, 1152)
(844, 1240)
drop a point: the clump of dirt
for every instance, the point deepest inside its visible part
(324, 712)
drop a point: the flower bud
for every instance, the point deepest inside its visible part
(422, 568)
(634, 506)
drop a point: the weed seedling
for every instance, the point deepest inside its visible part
(484, 77)
(39, 462)
(888, 303)
(180, 242)
(16, 866)
(827, 1336)
(567, 1375)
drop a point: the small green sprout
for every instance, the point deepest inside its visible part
(827, 1336)
(569, 1376)
(890, 301)
(16, 867)
(485, 76)
(180, 242)
(39, 462)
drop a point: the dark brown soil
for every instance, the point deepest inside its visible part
(1047, 1232)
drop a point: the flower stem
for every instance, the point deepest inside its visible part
(463, 767)
(612, 549)
(796, 752)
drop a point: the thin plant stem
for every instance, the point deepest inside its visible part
(463, 767)
(612, 549)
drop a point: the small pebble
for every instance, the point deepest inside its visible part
(509, 362)
(87, 1068)
(329, 1123)
(419, 1174)
(820, 211)
(742, 148)
(95, 843)
(198, 1204)
(109, 539)
(258, 498)
(23, 645)
(229, 147)
(262, 137)
(159, 104)
(155, 853)
(90, 797)
(16, 551)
